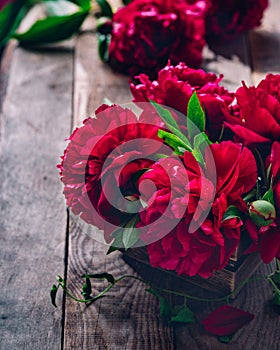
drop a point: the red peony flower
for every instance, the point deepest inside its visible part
(100, 161)
(226, 320)
(257, 119)
(146, 33)
(192, 195)
(174, 88)
(228, 18)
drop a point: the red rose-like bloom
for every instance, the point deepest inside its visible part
(146, 33)
(258, 118)
(174, 88)
(228, 18)
(90, 171)
(214, 240)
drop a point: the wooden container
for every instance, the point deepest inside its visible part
(223, 282)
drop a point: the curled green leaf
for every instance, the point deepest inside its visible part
(105, 8)
(52, 29)
(53, 293)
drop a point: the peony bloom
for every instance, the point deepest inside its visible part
(214, 240)
(257, 117)
(101, 159)
(146, 33)
(174, 88)
(228, 18)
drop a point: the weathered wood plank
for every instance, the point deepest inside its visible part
(35, 119)
(120, 321)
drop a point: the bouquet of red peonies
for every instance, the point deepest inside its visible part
(143, 35)
(187, 173)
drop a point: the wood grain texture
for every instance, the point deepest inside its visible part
(35, 119)
(128, 317)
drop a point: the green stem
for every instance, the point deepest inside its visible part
(273, 284)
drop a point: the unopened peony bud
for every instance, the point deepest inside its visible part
(262, 213)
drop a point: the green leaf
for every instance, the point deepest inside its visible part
(126, 2)
(182, 314)
(60, 280)
(59, 8)
(268, 196)
(171, 123)
(53, 293)
(52, 29)
(10, 17)
(200, 142)
(103, 41)
(233, 212)
(225, 339)
(164, 305)
(84, 4)
(105, 8)
(276, 278)
(173, 141)
(130, 233)
(86, 290)
(195, 117)
(107, 276)
(117, 243)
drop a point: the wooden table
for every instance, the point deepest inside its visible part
(44, 94)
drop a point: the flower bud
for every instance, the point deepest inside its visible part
(262, 213)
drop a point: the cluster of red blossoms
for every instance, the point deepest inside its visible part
(154, 172)
(146, 33)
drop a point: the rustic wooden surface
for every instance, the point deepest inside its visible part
(43, 95)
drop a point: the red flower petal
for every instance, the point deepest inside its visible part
(226, 320)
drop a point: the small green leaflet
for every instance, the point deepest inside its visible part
(200, 142)
(171, 123)
(105, 8)
(103, 41)
(226, 339)
(118, 241)
(276, 278)
(86, 290)
(130, 233)
(182, 314)
(268, 196)
(53, 294)
(195, 117)
(52, 29)
(173, 141)
(164, 305)
(233, 212)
